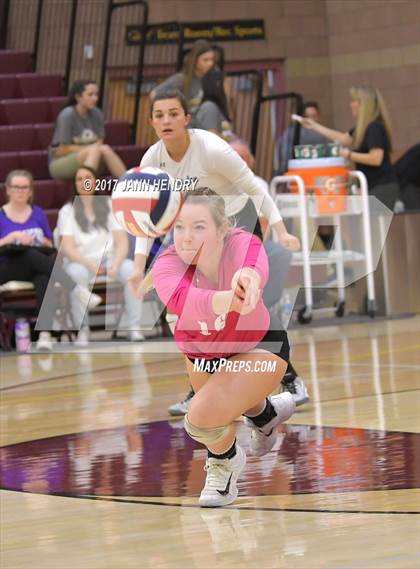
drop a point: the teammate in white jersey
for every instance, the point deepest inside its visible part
(201, 157)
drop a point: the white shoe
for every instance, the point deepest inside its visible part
(220, 488)
(181, 408)
(82, 339)
(136, 336)
(44, 342)
(298, 389)
(264, 438)
(86, 297)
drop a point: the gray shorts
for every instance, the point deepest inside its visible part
(65, 167)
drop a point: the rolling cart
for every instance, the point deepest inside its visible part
(328, 198)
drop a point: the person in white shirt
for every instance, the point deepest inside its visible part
(93, 243)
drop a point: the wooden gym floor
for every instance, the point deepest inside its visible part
(95, 475)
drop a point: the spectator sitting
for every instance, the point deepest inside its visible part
(79, 134)
(93, 242)
(312, 111)
(407, 169)
(26, 224)
(213, 113)
(198, 61)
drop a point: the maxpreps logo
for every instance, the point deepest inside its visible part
(160, 184)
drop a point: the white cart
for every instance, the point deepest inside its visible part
(301, 205)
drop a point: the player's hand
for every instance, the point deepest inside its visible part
(289, 241)
(247, 292)
(135, 280)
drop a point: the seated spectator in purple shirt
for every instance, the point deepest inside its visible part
(22, 223)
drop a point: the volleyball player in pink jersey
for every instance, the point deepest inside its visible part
(212, 278)
(203, 158)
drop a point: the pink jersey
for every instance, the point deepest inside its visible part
(185, 291)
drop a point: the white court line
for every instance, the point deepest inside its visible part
(392, 366)
(343, 377)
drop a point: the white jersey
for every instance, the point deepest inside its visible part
(93, 243)
(210, 162)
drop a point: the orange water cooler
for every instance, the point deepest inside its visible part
(324, 178)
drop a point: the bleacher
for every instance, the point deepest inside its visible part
(29, 105)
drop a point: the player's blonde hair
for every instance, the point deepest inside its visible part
(372, 108)
(216, 206)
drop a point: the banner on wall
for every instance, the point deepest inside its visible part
(232, 30)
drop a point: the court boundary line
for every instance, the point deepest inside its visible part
(179, 505)
(368, 395)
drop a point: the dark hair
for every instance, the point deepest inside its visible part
(100, 207)
(171, 94)
(219, 53)
(199, 47)
(312, 104)
(213, 90)
(77, 89)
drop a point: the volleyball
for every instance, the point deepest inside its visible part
(145, 203)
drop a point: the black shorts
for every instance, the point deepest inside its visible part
(274, 341)
(248, 219)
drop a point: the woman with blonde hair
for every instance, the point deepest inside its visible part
(369, 144)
